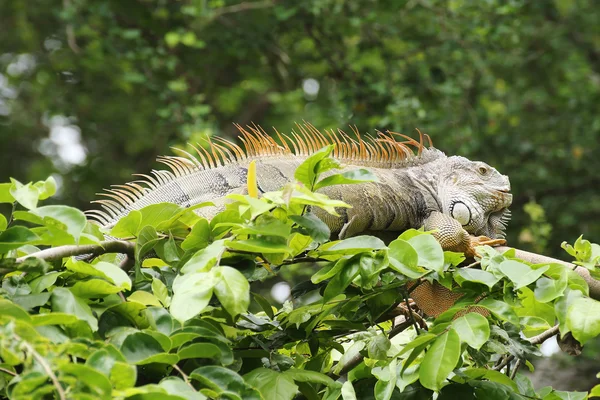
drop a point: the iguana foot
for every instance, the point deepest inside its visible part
(481, 241)
(405, 310)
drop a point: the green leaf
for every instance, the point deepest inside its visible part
(264, 226)
(232, 289)
(418, 341)
(331, 270)
(548, 289)
(30, 301)
(191, 294)
(431, 255)
(155, 214)
(521, 274)
(94, 288)
(378, 347)
(303, 196)
(349, 355)
(583, 319)
(114, 274)
(54, 318)
(63, 300)
(147, 239)
(313, 226)
(477, 276)
(46, 188)
(9, 309)
(384, 388)
(354, 176)
(405, 259)
(473, 329)
(203, 260)
(43, 282)
(159, 289)
(348, 392)
(176, 386)
(264, 304)
(220, 379)
(3, 222)
(531, 307)
(68, 218)
(145, 298)
(199, 237)
(258, 246)
(199, 350)
(354, 245)
(272, 385)
(440, 360)
(308, 172)
(127, 226)
(342, 279)
(5, 196)
(501, 310)
(140, 346)
(98, 385)
(491, 375)
(561, 306)
(15, 237)
(25, 195)
(303, 375)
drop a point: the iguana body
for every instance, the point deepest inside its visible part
(458, 197)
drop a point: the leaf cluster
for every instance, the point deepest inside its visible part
(180, 318)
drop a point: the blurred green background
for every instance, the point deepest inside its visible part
(92, 90)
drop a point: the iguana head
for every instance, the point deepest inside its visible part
(476, 195)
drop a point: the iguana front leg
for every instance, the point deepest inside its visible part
(452, 236)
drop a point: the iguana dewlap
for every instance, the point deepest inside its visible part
(465, 201)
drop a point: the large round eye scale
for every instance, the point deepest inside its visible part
(460, 212)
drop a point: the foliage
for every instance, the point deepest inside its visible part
(182, 322)
(513, 83)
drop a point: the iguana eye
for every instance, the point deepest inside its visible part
(483, 170)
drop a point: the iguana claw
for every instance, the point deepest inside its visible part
(481, 241)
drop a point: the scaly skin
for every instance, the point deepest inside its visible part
(464, 202)
(450, 194)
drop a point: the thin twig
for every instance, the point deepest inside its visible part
(183, 375)
(71, 40)
(359, 357)
(243, 7)
(410, 314)
(475, 264)
(539, 339)
(46, 367)
(542, 337)
(514, 372)
(11, 218)
(8, 371)
(109, 246)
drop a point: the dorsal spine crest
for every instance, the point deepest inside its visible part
(380, 151)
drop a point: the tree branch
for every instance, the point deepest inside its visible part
(108, 246)
(539, 259)
(539, 339)
(359, 357)
(243, 7)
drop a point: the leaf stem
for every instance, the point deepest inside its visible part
(183, 375)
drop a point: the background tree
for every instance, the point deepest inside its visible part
(92, 91)
(513, 83)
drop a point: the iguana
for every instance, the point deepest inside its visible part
(465, 201)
